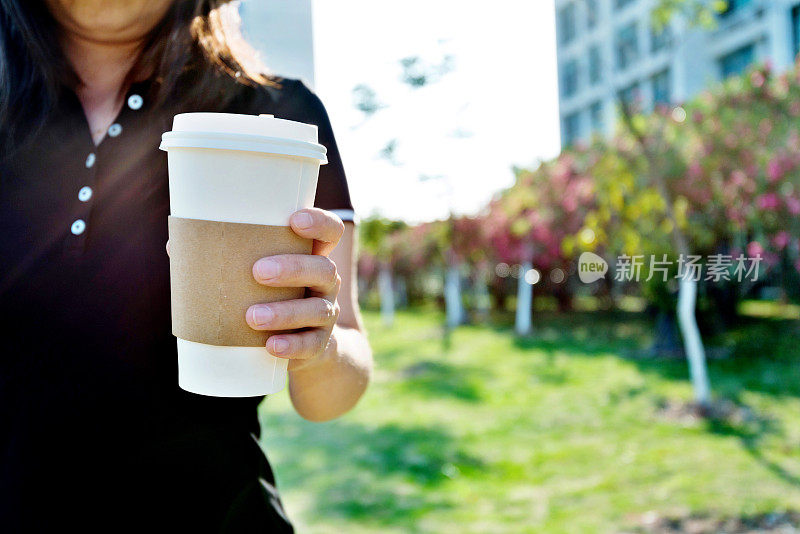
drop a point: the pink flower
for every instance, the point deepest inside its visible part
(794, 109)
(736, 216)
(774, 170)
(794, 140)
(770, 258)
(781, 240)
(743, 130)
(695, 170)
(541, 234)
(784, 82)
(793, 205)
(755, 249)
(738, 177)
(769, 202)
(757, 79)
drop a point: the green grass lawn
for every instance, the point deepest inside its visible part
(563, 431)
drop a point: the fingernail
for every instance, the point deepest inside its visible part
(262, 315)
(267, 269)
(303, 220)
(279, 345)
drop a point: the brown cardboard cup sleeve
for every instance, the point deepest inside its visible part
(211, 278)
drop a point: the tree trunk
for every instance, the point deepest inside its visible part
(452, 297)
(693, 343)
(386, 292)
(402, 292)
(667, 340)
(483, 300)
(563, 297)
(524, 302)
(687, 292)
(499, 291)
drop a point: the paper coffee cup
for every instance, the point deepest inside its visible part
(234, 182)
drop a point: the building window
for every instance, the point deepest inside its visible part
(662, 92)
(598, 120)
(660, 39)
(567, 29)
(592, 14)
(630, 96)
(627, 45)
(737, 61)
(796, 29)
(735, 5)
(569, 78)
(619, 4)
(595, 65)
(572, 127)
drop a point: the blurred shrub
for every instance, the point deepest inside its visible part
(731, 163)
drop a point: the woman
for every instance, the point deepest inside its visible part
(95, 434)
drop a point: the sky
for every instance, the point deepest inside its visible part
(458, 137)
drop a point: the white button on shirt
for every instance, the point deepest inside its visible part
(135, 102)
(114, 130)
(90, 159)
(85, 193)
(78, 227)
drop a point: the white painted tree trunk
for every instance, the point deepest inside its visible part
(402, 293)
(524, 300)
(363, 289)
(483, 300)
(692, 342)
(386, 292)
(452, 297)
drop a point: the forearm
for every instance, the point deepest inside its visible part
(332, 386)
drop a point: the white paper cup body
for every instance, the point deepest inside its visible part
(229, 371)
(238, 186)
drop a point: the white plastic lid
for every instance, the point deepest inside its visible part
(252, 133)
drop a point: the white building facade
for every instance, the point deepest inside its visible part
(283, 33)
(609, 51)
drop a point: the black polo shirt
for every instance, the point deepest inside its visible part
(94, 431)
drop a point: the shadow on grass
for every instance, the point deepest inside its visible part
(588, 333)
(732, 418)
(763, 358)
(750, 429)
(438, 379)
(763, 352)
(778, 522)
(377, 475)
(547, 371)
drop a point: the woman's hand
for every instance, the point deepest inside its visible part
(314, 315)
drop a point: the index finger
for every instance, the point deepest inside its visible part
(324, 227)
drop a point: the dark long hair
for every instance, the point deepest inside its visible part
(197, 40)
